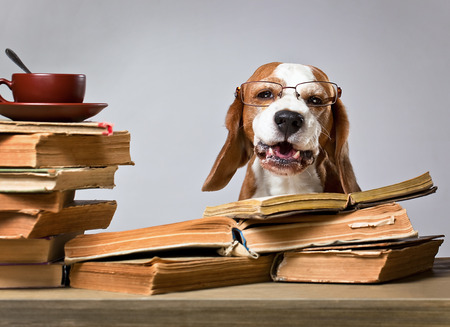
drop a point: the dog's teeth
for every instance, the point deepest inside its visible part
(270, 151)
(297, 155)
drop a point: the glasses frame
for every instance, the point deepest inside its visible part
(239, 93)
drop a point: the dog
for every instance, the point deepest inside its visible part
(291, 127)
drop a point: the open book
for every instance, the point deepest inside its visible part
(249, 238)
(276, 206)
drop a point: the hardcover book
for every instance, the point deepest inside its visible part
(49, 201)
(49, 150)
(34, 250)
(78, 217)
(55, 179)
(32, 275)
(366, 263)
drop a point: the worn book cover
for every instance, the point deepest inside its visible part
(77, 217)
(249, 237)
(46, 201)
(362, 264)
(49, 150)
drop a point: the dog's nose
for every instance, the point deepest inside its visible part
(288, 122)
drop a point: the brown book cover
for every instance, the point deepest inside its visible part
(164, 275)
(369, 263)
(280, 205)
(248, 238)
(79, 216)
(49, 150)
(215, 233)
(55, 179)
(49, 201)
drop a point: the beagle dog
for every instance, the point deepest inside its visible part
(289, 124)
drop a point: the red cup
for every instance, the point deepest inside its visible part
(46, 88)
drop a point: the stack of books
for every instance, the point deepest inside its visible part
(364, 237)
(41, 167)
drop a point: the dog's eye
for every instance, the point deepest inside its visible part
(315, 101)
(265, 95)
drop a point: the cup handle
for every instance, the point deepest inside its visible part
(8, 84)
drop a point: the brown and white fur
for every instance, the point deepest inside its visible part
(319, 146)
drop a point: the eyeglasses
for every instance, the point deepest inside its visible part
(315, 94)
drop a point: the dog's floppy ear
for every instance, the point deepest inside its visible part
(235, 153)
(337, 171)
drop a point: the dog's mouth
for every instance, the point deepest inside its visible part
(283, 159)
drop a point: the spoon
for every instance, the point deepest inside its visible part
(15, 58)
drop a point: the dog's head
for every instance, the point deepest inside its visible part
(290, 116)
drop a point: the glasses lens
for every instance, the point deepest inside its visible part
(317, 94)
(260, 93)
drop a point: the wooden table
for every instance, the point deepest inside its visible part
(421, 300)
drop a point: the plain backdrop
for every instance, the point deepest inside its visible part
(168, 70)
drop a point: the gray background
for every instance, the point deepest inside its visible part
(168, 70)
